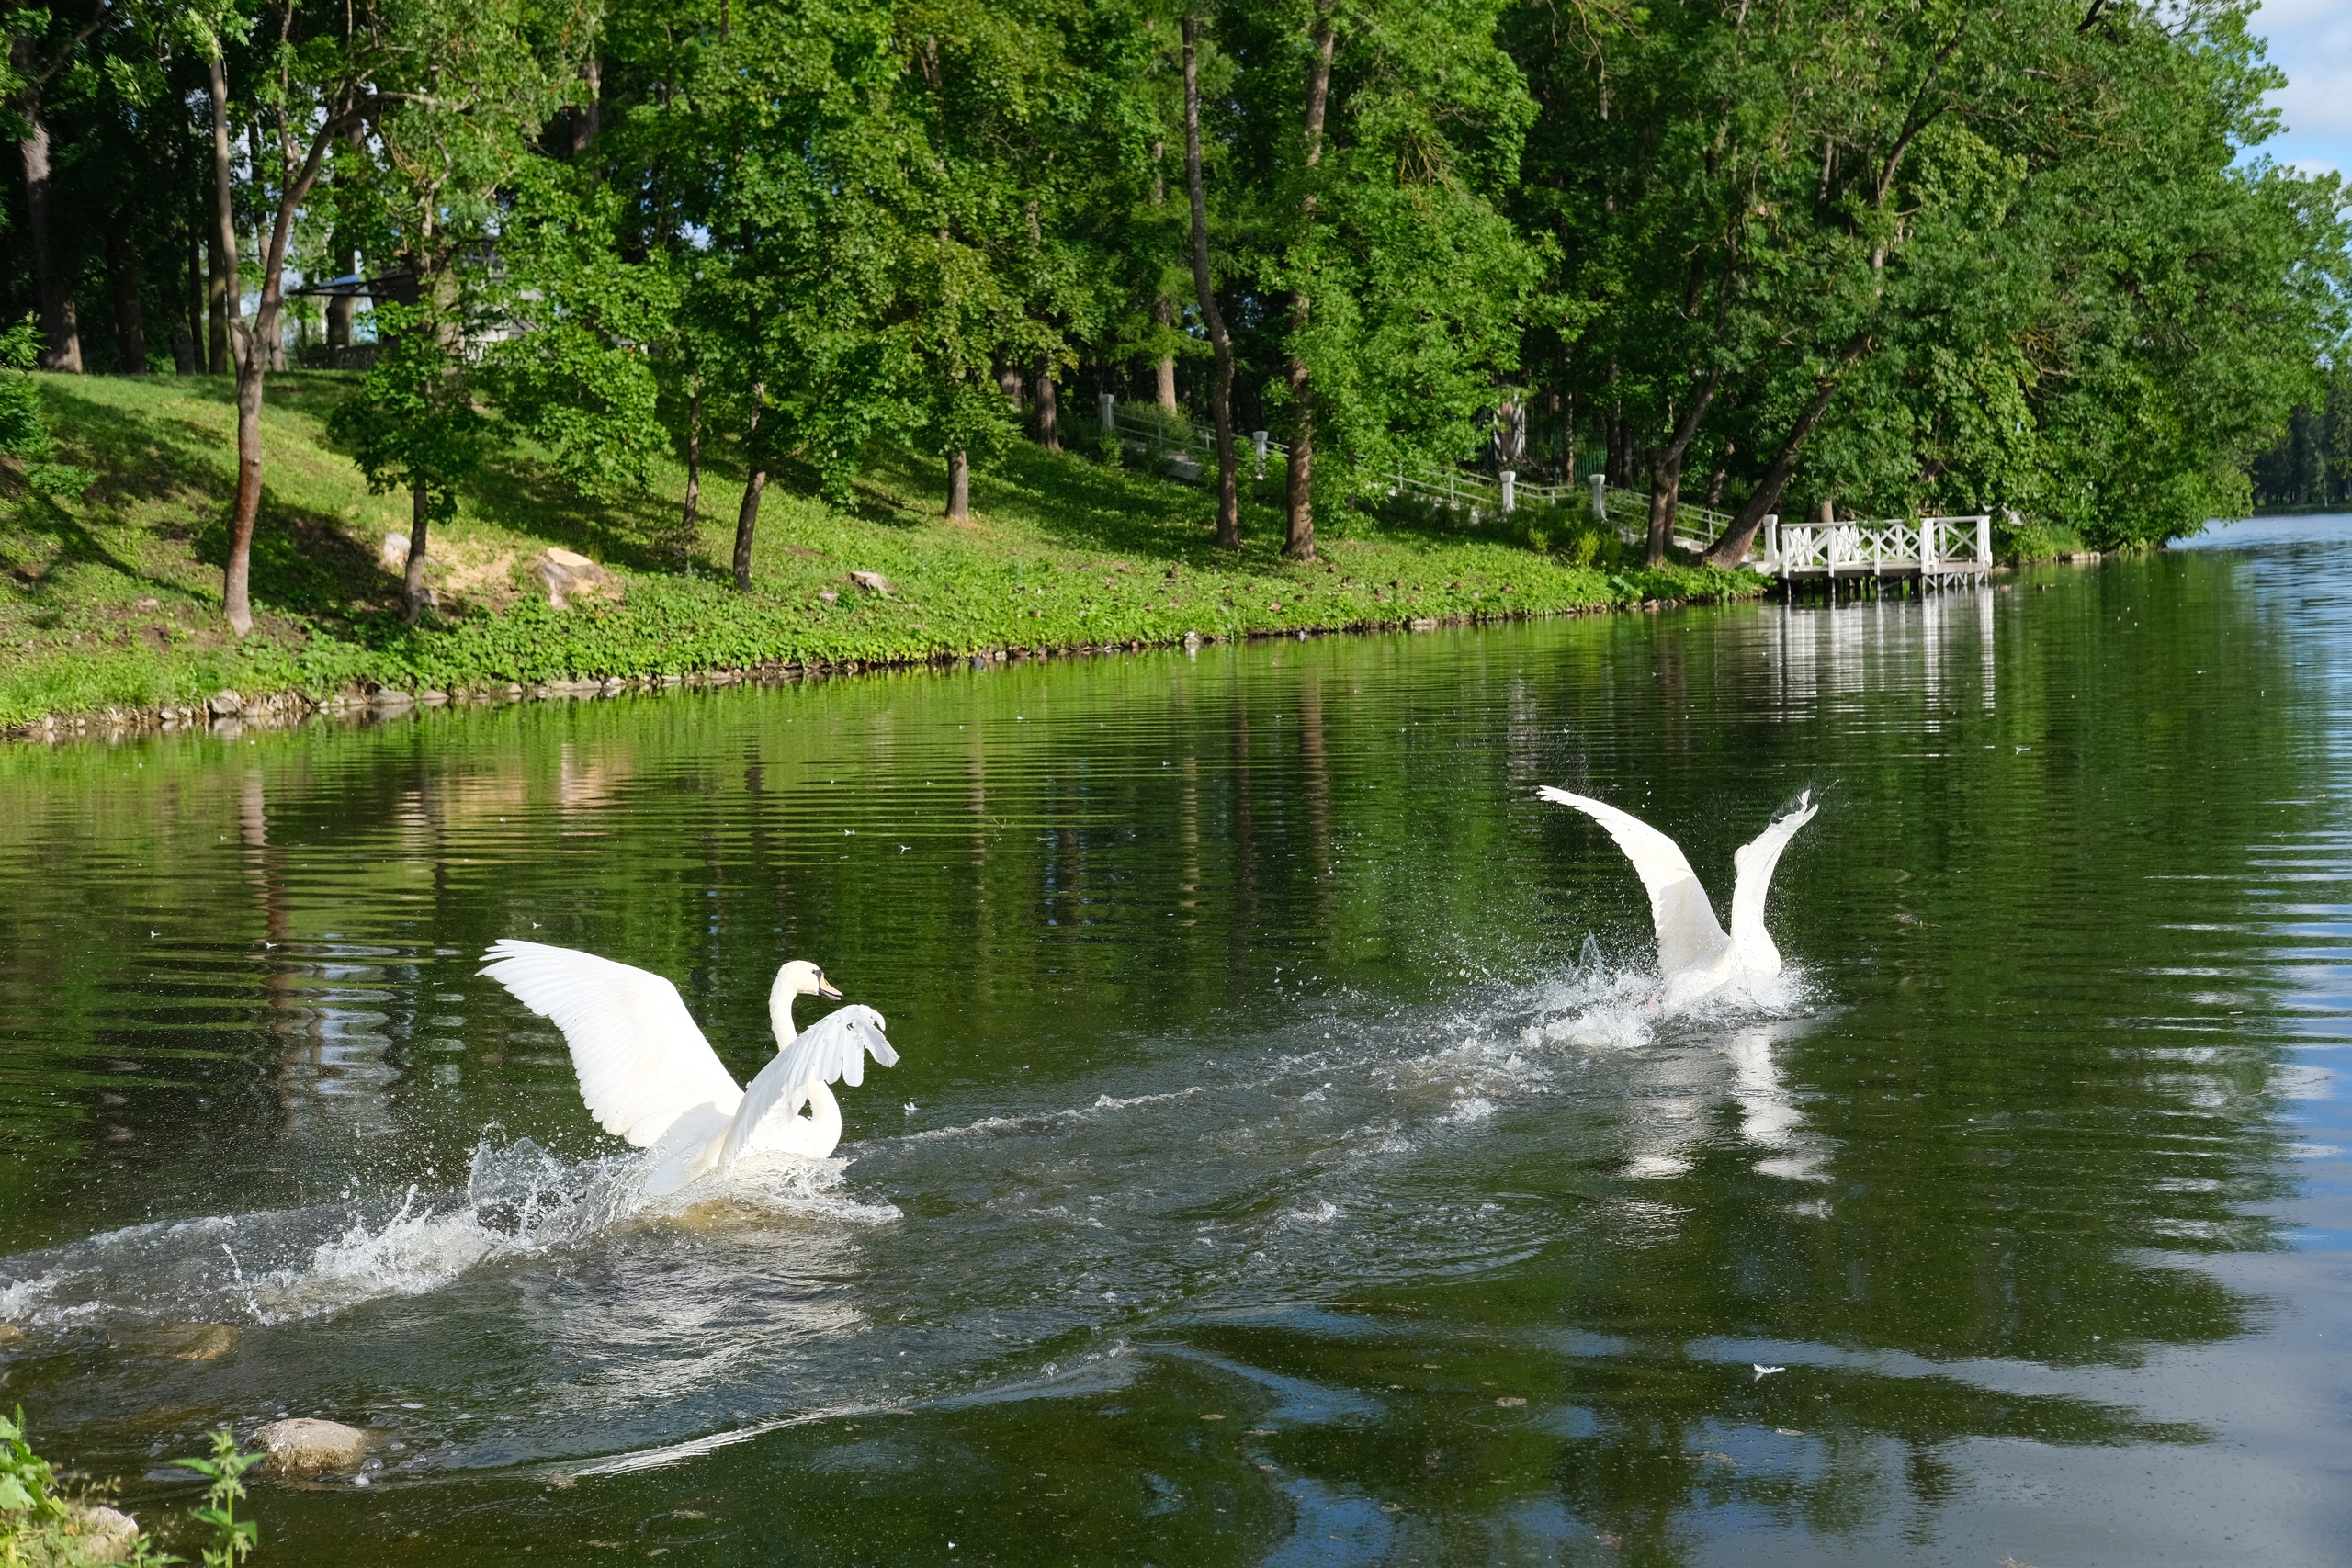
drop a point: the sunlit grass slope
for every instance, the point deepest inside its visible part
(113, 600)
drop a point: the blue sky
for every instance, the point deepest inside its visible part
(2312, 41)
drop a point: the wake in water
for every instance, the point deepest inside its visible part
(276, 1265)
(1597, 1006)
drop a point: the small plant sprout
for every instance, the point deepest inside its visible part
(234, 1539)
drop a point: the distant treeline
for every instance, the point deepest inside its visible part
(1772, 255)
(2311, 464)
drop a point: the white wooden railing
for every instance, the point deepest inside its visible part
(1931, 547)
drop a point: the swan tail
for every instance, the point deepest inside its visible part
(689, 1150)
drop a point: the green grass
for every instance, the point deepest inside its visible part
(113, 600)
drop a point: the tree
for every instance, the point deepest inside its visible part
(433, 202)
(40, 46)
(1228, 504)
(310, 72)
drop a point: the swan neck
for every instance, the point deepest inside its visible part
(780, 1020)
(824, 1120)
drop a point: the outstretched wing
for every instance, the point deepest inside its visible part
(1688, 933)
(1755, 860)
(832, 1050)
(642, 1062)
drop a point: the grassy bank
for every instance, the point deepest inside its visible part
(112, 601)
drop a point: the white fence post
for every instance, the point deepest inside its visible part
(1985, 542)
(1510, 492)
(1109, 404)
(1772, 539)
(1600, 483)
(1258, 446)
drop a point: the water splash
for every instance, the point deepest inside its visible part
(287, 1264)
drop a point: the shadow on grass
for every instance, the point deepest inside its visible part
(303, 562)
(1083, 505)
(519, 492)
(1077, 502)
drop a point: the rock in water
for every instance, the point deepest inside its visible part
(306, 1447)
(186, 1341)
(569, 577)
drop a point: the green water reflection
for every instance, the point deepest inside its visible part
(1261, 1181)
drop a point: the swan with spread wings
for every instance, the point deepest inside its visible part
(1694, 955)
(650, 1076)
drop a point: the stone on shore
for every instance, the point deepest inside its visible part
(303, 1446)
(100, 1534)
(569, 577)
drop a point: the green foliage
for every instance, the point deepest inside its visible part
(39, 1528)
(577, 375)
(234, 1539)
(410, 424)
(1943, 259)
(1067, 553)
(28, 1498)
(2310, 465)
(24, 433)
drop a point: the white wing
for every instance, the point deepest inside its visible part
(1688, 934)
(642, 1062)
(1755, 860)
(832, 1050)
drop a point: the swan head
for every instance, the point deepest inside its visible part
(800, 978)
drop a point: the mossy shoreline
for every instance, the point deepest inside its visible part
(109, 617)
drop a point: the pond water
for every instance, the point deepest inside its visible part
(1282, 1165)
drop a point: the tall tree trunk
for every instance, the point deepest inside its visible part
(959, 486)
(1722, 471)
(1007, 381)
(343, 307)
(1298, 491)
(1049, 411)
(1740, 532)
(587, 118)
(61, 332)
(235, 578)
(1666, 469)
(130, 322)
(1568, 474)
(412, 590)
(188, 317)
(1163, 309)
(1228, 495)
(257, 342)
(690, 521)
(1164, 373)
(755, 484)
(218, 297)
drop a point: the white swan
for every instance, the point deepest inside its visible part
(1693, 953)
(649, 1076)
